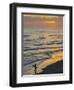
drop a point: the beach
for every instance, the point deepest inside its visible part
(44, 66)
(56, 57)
(53, 68)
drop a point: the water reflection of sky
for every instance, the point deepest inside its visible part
(42, 40)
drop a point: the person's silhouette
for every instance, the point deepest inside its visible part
(35, 68)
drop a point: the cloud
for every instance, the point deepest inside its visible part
(40, 21)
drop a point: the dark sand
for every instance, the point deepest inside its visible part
(53, 68)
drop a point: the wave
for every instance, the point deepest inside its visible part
(35, 60)
(38, 48)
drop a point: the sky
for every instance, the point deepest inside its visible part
(33, 21)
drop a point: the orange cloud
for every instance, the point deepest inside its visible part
(42, 20)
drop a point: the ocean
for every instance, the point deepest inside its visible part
(41, 48)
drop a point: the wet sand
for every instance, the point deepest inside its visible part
(56, 57)
(53, 68)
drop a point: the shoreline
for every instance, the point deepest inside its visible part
(53, 68)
